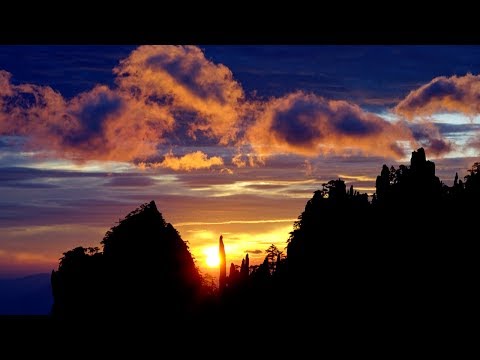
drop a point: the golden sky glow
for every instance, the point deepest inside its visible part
(211, 256)
(239, 240)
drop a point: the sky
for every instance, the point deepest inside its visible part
(228, 140)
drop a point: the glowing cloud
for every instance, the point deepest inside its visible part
(158, 89)
(100, 124)
(166, 93)
(192, 161)
(310, 125)
(443, 94)
(183, 78)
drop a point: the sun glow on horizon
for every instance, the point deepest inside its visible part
(239, 240)
(212, 258)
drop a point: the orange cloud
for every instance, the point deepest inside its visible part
(100, 124)
(443, 94)
(309, 125)
(238, 161)
(182, 77)
(31, 110)
(156, 87)
(5, 85)
(163, 93)
(192, 161)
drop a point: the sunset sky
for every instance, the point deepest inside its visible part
(228, 140)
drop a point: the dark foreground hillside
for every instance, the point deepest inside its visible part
(408, 256)
(145, 270)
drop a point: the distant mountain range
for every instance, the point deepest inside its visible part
(30, 295)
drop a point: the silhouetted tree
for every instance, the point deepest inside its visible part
(409, 254)
(145, 268)
(273, 254)
(472, 180)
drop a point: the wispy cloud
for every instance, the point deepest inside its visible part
(356, 177)
(196, 223)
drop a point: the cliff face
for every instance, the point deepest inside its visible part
(145, 268)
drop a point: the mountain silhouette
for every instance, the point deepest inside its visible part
(145, 269)
(407, 255)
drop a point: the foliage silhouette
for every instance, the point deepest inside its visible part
(357, 261)
(408, 254)
(145, 269)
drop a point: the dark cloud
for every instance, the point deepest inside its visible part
(429, 136)
(11, 142)
(297, 123)
(439, 147)
(257, 251)
(438, 89)
(443, 94)
(93, 114)
(11, 174)
(451, 129)
(310, 125)
(27, 185)
(353, 125)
